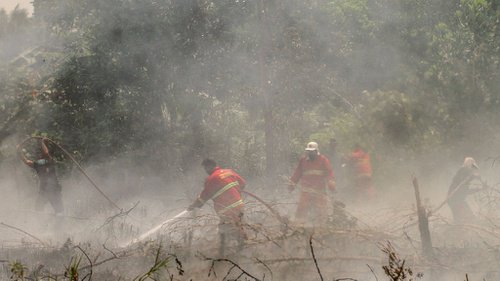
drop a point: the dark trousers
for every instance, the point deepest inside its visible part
(462, 213)
(53, 197)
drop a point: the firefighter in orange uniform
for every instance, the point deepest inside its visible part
(223, 187)
(360, 169)
(315, 173)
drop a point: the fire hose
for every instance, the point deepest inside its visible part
(77, 165)
(167, 222)
(459, 187)
(271, 209)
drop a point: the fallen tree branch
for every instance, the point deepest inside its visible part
(105, 248)
(20, 230)
(354, 258)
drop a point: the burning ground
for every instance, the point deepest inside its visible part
(95, 241)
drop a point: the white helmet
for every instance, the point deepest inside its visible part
(469, 162)
(312, 146)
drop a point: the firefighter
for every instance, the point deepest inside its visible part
(460, 188)
(49, 186)
(360, 171)
(314, 173)
(223, 187)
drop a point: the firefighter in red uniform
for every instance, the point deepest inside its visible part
(314, 173)
(360, 169)
(223, 187)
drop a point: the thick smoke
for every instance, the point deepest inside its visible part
(140, 92)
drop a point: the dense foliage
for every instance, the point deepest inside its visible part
(250, 82)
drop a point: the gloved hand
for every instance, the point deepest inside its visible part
(196, 204)
(332, 185)
(193, 206)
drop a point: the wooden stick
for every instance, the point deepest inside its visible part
(423, 223)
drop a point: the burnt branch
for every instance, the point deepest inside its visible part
(234, 265)
(120, 214)
(314, 258)
(89, 275)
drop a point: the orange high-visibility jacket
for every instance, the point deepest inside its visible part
(315, 174)
(361, 163)
(223, 187)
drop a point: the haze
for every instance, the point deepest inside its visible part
(9, 5)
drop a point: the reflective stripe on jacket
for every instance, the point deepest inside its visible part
(222, 186)
(314, 174)
(361, 163)
(232, 206)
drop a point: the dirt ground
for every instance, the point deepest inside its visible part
(352, 245)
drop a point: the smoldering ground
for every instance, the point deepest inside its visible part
(342, 248)
(144, 91)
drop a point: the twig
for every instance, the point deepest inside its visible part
(229, 272)
(243, 272)
(113, 253)
(120, 214)
(20, 230)
(118, 256)
(212, 269)
(90, 263)
(314, 257)
(90, 266)
(265, 265)
(345, 100)
(494, 160)
(263, 234)
(373, 272)
(271, 209)
(178, 263)
(158, 264)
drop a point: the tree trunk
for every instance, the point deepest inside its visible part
(269, 121)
